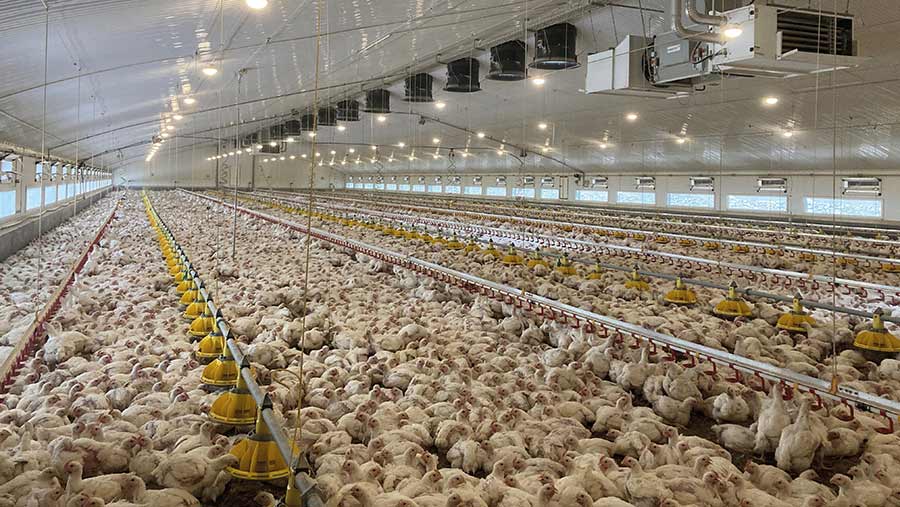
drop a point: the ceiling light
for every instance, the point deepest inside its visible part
(248, 150)
(382, 118)
(210, 71)
(732, 31)
(538, 81)
(224, 155)
(318, 154)
(259, 146)
(480, 135)
(282, 158)
(499, 152)
(631, 116)
(373, 147)
(257, 4)
(341, 128)
(434, 156)
(303, 156)
(231, 153)
(544, 149)
(290, 139)
(602, 146)
(311, 134)
(190, 101)
(333, 152)
(401, 144)
(680, 140)
(542, 126)
(165, 134)
(465, 154)
(440, 104)
(170, 127)
(770, 101)
(435, 141)
(293, 157)
(265, 160)
(352, 150)
(787, 133)
(273, 144)
(178, 117)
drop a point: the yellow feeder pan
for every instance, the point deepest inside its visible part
(563, 267)
(619, 234)
(807, 257)
(455, 244)
(846, 261)
(662, 240)
(686, 242)
(602, 232)
(426, 237)
(258, 455)
(204, 324)
(222, 372)
(189, 296)
(639, 237)
(440, 240)
(597, 273)
(175, 269)
(712, 245)
(235, 407)
(186, 284)
(211, 346)
(793, 320)
(512, 258)
(890, 267)
(732, 306)
(536, 258)
(877, 339)
(472, 247)
(681, 295)
(740, 249)
(492, 250)
(774, 251)
(635, 282)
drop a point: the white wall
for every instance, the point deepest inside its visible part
(799, 187)
(190, 168)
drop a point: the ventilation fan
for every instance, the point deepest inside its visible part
(501, 180)
(703, 183)
(476, 180)
(771, 185)
(599, 182)
(871, 186)
(547, 181)
(645, 183)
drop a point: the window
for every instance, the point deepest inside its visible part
(33, 198)
(636, 197)
(379, 186)
(49, 194)
(691, 200)
(38, 171)
(549, 193)
(7, 203)
(391, 186)
(496, 191)
(418, 188)
(592, 195)
(473, 191)
(349, 184)
(757, 202)
(368, 186)
(71, 188)
(403, 188)
(523, 192)
(435, 189)
(6, 168)
(62, 192)
(843, 207)
(452, 189)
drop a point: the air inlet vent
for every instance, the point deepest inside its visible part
(645, 183)
(870, 186)
(771, 185)
(814, 33)
(703, 183)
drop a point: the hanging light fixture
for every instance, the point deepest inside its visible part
(210, 70)
(257, 4)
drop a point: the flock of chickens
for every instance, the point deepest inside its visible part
(415, 393)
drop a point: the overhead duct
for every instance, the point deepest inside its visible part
(378, 101)
(418, 88)
(678, 10)
(508, 61)
(348, 110)
(462, 76)
(327, 117)
(554, 47)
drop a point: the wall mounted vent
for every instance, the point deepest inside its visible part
(501, 180)
(527, 180)
(703, 183)
(421, 179)
(455, 180)
(771, 185)
(476, 180)
(406, 179)
(547, 181)
(599, 182)
(871, 186)
(645, 183)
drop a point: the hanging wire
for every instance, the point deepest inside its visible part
(40, 236)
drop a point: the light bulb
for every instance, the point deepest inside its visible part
(289, 139)
(273, 144)
(680, 140)
(341, 128)
(435, 141)
(293, 157)
(265, 160)
(480, 135)
(787, 133)
(259, 146)
(170, 127)
(440, 104)
(602, 146)
(248, 150)
(257, 4)
(352, 150)
(311, 134)
(373, 147)
(544, 149)
(282, 158)
(542, 126)
(303, 156)
(333, 152)
(210, 71)
(190, 101)
(382, 118)
(631, 116)
(538, 81)
(732, 31)
(178, 117)
(401, 144)
(770, 101)
(318, 154)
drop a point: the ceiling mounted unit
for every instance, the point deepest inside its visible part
(599, 182)
(547, 181)
(378, 101)
(528, 180)
(421, 179)
(871, 186)
(455, 180)
(508, 61)
(620, 71)
(476, 180)
(418, 88)
(393, 178)
(703, 183)
(501, 180)
(370, 178)
(348, 110)
(437, 179)
(327, 117)
(406, 179)
(349, 178)
(462, 76)
(554, 47)
(308, 123)
(645, 183)
(292, 128)
(275, 133)
(771, 185)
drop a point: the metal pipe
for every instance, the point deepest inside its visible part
(679, 28)
(704, 19)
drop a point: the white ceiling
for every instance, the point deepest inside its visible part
(137, 59)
